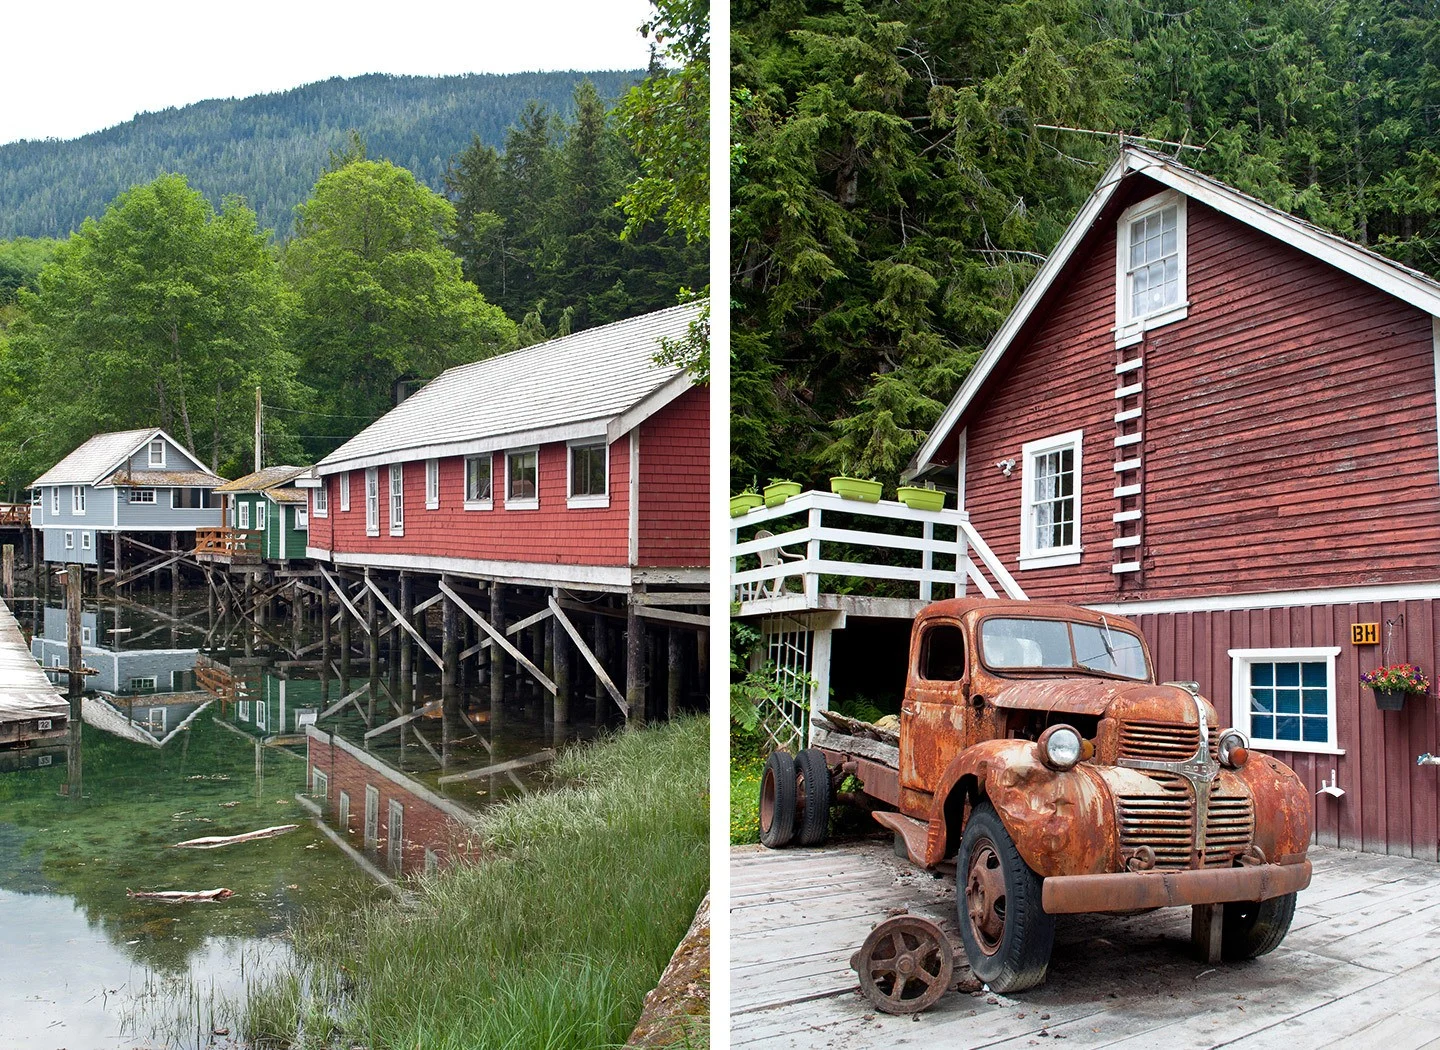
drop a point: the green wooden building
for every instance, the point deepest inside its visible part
(269, 512)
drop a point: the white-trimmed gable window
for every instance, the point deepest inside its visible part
(345, 491)
(1050, 504)
(1150, 266)
(479, 482)
(589, 473)
(322, 499)
(432, 484)
(1284, 699)
(522, 479)
(397, 499)
(372, 501)
(77, 496)
(157, 453)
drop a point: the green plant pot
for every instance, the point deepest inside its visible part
(777, 492)
(917, 498)
(744, 503)
(856, 488)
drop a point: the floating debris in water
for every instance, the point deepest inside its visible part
(216, 841)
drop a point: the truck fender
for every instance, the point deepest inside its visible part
(1062, 823)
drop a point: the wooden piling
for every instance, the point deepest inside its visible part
(449, 655)
(74, 588)
(676, 672)
(561, 661)
(174, 567)
(7, 571)
(324, 643)
(372, 610)
(344, 647)
(635, 664)
(407, 648)
(497, 655)
(602, 656)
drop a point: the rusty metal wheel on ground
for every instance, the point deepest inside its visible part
(905, 965)
(777, 800)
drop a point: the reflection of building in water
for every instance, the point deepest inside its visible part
(146, 695)
(393, 818)
(268, 705)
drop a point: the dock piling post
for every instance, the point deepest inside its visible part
(449, 655)
(407, 647)
(74, 586)
(324, 644)
(372, 610)
(635, 663)
(562, 661)
(497, 655)
(676, 676)
(9, 571)
(602, 657)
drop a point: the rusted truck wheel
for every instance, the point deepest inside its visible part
(1253, 928)
(1007, 935)
(777, 800)
(813, 803)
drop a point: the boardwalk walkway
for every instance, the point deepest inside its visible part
(1361, 966)
(26, 694)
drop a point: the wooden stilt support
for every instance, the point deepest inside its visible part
(499, 638)
(560, 660)
(175, 556)
(450, 657)
(1206, 929)
(497, 658)
(635, 665)
(598, 665)
(373, 630)
(602, 677)
(325, 646)
(7, 571)
(405, 614)
(675, 677)
(74, 586)
(345, 651)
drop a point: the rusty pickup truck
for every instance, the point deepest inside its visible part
(1037, 752)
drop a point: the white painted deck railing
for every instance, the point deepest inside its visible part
(807, 526)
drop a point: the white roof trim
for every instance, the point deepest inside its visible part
(647, 406)
(1404, 284)
(200, 468)
(490, 443)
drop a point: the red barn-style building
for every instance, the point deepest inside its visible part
(565, 483)
(1220, 421)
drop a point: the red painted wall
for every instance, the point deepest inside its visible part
(1289, 425)
(675, 482)
(424, 825)
(1390, 805)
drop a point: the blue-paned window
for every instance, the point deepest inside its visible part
(1285, 698)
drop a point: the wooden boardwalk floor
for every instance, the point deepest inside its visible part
(26, 692)
(1361, 967)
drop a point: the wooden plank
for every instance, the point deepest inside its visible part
(338, 704)
(875, 750)
(344, 600)
(404, 623)
(426, 745)
(590, 658)
(548, 755)
(431, 708)
(671, 616)
(500, 639)
(529, 621)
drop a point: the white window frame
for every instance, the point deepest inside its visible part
(372, 501)
(302, 517)
(262, 514)
(432, 484)
(322, 500)
(137, 683)
(140, 496)
(85, 541)
(242, 710)
(344, 490)
(262, 715)
(1031, 556)
(69, 540)
(55, 500)
(395, 832)
(1240, 661)
(154, 444)
(164, 720)
(372, 816)
(243, 514)
(319, 783)
(86, 635)
(1129, 328)
(523, 502)
(343, 811)
(77, 500)
(396, 488)
(478, 504)
(597, 500)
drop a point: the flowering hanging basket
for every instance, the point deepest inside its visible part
(1393, 683)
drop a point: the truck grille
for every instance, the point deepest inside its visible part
(1164, 741)
(1166, 823)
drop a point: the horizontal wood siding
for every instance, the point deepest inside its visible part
(322, 529)
(675, 483)
(1390, 803)
(554, 533)
(1289, 430)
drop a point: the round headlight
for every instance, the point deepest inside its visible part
(1233, 748)
(1060, 747)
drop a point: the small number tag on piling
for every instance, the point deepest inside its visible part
(1364, 634)
(43, 723)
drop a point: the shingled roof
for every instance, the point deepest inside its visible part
(94, 461)
(261, 480)
(600, 382)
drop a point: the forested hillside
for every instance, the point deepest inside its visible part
(894, 190)
(270, 149)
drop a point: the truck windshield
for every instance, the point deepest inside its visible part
(1062, 645)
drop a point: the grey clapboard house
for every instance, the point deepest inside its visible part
(141, 484)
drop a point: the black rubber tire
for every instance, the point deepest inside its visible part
(1253, 928)
(813, 789)
(777, 800)
(1021, 953)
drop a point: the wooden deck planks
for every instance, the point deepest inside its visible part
(1363, 957)
(26, 693)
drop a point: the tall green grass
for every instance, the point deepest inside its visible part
(548, 943)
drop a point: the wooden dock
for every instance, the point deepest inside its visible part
(32, 711)
(1360, 968)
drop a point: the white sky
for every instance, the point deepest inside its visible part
(70, 68)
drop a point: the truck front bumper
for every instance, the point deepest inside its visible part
(1138, 890)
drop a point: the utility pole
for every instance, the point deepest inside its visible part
(259, 430)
